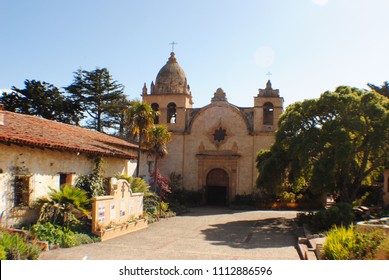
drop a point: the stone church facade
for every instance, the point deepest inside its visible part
(213, 147)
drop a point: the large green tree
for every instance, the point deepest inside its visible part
(101, 97)
(384, 89)
(44, 100)
(332, 144)
(139, 119)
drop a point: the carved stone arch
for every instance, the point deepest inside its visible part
(217, 186)
(210, 161)
(210, 106)
(217, 176)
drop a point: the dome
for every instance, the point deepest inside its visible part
(170, 79)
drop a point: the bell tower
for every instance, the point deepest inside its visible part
(170, 95)
(268, 107)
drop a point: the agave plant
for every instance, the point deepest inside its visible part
(61, 205)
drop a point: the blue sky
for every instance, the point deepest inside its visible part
(309, 46)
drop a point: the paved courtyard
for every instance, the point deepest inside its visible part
(204, 233)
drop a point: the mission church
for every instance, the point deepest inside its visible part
(214, 147)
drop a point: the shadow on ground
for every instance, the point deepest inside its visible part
(210, 211)
(252, 234)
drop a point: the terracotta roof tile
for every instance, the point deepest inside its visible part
(38, 132)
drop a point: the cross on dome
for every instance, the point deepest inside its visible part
(173, 43)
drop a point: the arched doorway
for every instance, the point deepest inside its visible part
(217, 187)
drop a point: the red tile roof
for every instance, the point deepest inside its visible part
(38, 132)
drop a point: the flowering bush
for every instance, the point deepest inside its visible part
(163, 187)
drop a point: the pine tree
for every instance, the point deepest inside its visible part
(383, 90)
(44, 100)
(101, 97)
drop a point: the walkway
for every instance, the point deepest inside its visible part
(203, 234)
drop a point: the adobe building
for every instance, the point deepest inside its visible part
(213, 147)
(37, 154)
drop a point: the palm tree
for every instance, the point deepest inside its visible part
(140, 117)
(159, 136)
(62, 204)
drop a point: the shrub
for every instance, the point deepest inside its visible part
(383, 250)
(348, 244)
(175, 182)
(164, 206)
(150, 204)
(61, 236)
(47, 232)
(180, 199)
(338, 215)
(33, 252)
(3, 253)
(93, 183)
(288, 197)
(339, 243)
(366, 244)
(369, 196)
(246, 200)
(13, 244)
(15, 247)
(161, 185)
(67, 240)
(82, 238)
(191, 198)
(14, 252)
(54, 234)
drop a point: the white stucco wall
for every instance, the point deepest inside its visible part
(44, 167)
